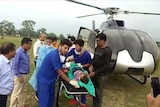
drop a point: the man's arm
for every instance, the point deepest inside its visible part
(35, 50)
(157, 101)
(69, 55)
(88, 60)
(71, 52)
(152, 102)
(86, 65)
(16, 63)
(63, 75)
(91, 69)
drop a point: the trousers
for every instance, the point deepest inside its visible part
(46, 93)
(19, 91)
(98, 82)
(3, 100)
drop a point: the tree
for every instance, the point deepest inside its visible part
(23, 32)
(61, 37)
(1, 29)
(10, 28)
(42, 30)
(7, 28)
(28, 26)
(52, 34)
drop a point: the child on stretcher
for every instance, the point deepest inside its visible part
(79, 75)
(75, 71)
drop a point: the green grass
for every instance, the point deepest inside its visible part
(120, 90)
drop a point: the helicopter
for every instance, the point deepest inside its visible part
(134, 52)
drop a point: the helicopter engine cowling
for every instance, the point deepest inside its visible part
(133, 51)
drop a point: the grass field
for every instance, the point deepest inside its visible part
(120, 90)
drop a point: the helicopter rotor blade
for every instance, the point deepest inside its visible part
(132, 12)
(89, 15)
(73, 1)
(110, 11)
(144, 13)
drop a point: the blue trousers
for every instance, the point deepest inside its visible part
(83, 98)
(46, 94)
(3, 100)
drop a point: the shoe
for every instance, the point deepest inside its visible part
(73, 102)
(36, 97)
(82, 105)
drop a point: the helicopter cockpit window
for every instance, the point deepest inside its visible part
(89, 38)
(112, 24)
(120, 23)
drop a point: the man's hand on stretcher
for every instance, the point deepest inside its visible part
(74, 83)
(63, 76)
(91, 70)
(65, 70)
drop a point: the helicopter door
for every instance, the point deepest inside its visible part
(89, 38)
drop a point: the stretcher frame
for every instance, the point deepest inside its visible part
(69, 90)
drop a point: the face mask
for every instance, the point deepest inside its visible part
(62, 58)
(49, 46)
(78, 53)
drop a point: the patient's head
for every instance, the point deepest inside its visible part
(84, 78)
(79, 74)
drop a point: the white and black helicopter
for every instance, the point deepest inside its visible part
(134, 52)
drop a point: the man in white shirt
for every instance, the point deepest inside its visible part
(37, 45)
(7, 51)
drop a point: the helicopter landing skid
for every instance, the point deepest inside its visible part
(141, 79)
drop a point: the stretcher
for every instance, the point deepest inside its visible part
(62, 84)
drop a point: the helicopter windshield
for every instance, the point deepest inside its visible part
(89, 38)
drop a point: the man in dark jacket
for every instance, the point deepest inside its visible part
(100, 67)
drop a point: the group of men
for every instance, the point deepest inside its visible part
(14, 69)
(49, 60)
(51, 66)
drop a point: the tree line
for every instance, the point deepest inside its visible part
(27, 30)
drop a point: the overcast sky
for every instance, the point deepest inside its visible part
(59, 16)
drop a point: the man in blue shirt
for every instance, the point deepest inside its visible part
(84, 58)
(21, 66)
(43, 50)
(7, 51)
(50, 68)
(80, 55)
